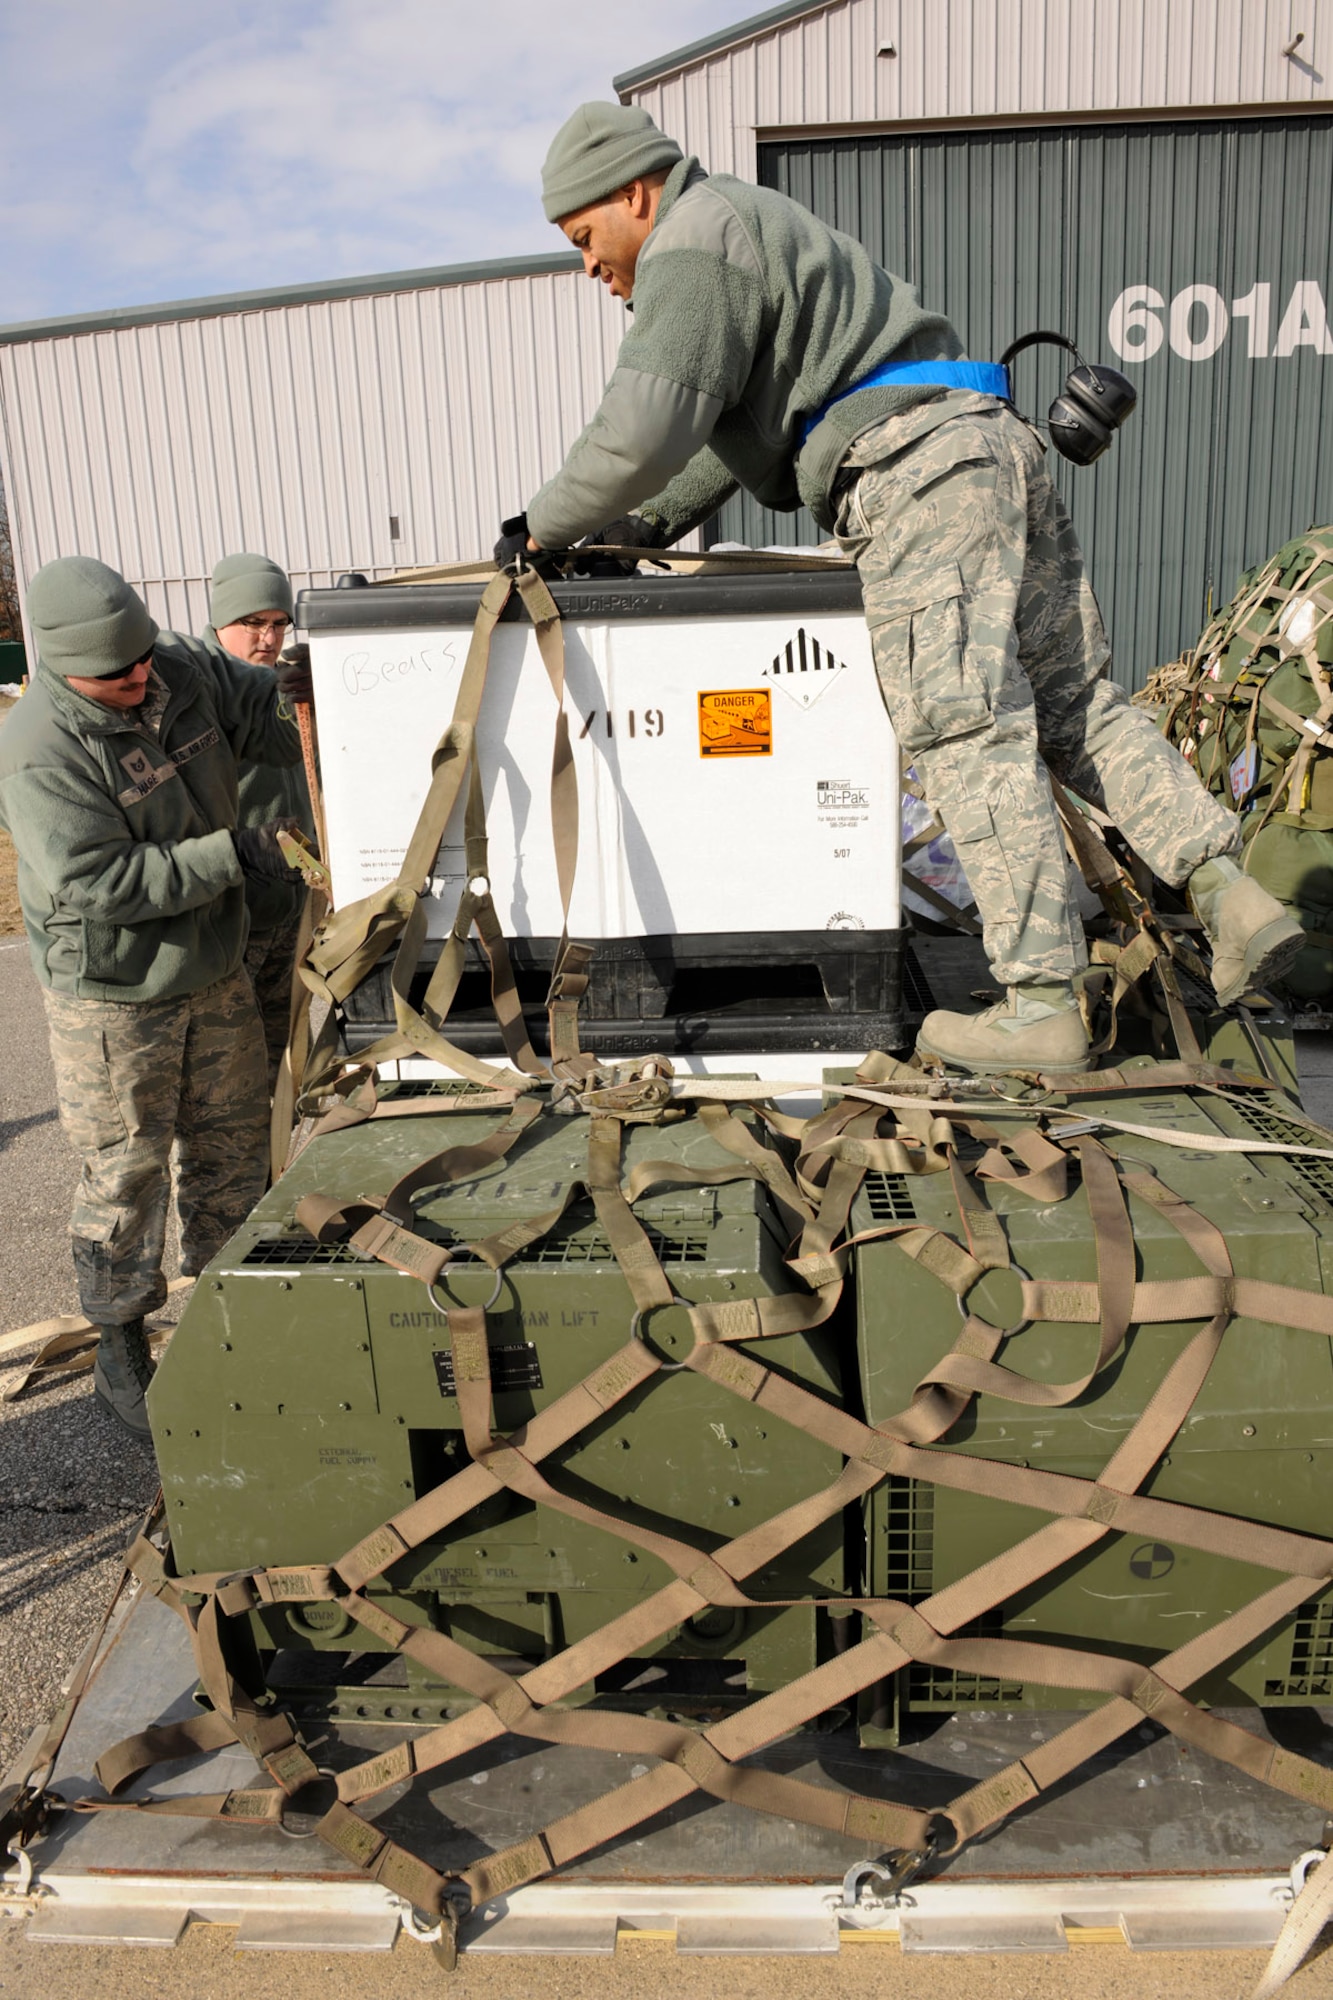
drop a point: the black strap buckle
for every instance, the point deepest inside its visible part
(25, 1815)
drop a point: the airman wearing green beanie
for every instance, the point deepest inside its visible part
(250, 604)
(118, 785)
(771, 352)
(600, 149)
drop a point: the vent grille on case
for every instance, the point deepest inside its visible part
(911, 1533)
(287, 1251)
(1267, 1123)
(589, 1246)
(577, 1247)
(940, 1687)
(890, 1197)
(909, 1576)
(431, 1086)
(1311, 1675)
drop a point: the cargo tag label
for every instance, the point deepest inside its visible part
(513, 1366)
(736, 722)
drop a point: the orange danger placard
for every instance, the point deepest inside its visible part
(736, 722)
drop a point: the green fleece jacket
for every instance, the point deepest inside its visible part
(268, 792)
(128, 876)
(749, 315)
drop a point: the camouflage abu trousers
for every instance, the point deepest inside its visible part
(992, 657)
(132, 1082)
(270, 959)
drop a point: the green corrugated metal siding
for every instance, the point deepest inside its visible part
(1006, 231)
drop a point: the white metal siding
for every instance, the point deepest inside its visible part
(991, 58)
(299, 430)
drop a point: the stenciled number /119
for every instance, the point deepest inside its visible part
(632, 721)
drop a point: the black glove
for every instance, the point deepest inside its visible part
(258, 852)
(628, 531)
(293, 673)
(512, 551)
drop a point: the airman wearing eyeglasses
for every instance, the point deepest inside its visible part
(118, 785)
(250, 600)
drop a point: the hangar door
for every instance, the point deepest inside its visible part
(1195, 255)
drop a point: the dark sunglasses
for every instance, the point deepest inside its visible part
(123, 673)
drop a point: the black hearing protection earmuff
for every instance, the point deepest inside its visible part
(1090, 409)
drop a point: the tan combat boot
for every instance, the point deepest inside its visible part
(1036, 1028)
(1254, 940)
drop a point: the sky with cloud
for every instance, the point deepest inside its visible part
(156, 149)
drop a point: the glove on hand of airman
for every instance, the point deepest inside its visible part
(258, 852)
(512, 551)
(627, 531)
(293, 673)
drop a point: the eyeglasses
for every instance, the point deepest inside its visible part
(123, 673)
(278, 625)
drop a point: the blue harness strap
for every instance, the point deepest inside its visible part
(986, 378)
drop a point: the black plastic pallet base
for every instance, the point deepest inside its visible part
(692, 996)
(643, 979)
(682, 1034)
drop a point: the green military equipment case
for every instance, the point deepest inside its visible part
(308, 1396)
(1257, 1442)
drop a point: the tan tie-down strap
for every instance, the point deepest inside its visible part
(351, 941)
(1147, 947)
(379, 1228)
(569, 974)
(819, 1192)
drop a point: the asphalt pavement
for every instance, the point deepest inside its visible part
(205, 1966)
(73, 1484)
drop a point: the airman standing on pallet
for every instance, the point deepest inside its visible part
(118, 785)
(770, 352)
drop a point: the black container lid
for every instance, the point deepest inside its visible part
(401, 607)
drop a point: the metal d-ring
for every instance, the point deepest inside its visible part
(23, 1862)
(423, 1933)
(1303, 1866)
(440, 1306)
(637, 1317)
(1019, 1272)
(290, 1831)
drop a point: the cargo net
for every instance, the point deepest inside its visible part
(1251, 708)
(891, 1121)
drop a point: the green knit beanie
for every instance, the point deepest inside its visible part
(243, 585)
(86, 619)
(601, 148)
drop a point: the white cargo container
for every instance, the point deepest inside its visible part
(738, 794)
(737, 770)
